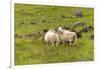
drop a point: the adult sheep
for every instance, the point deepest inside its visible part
(51, 37)
(68, 36)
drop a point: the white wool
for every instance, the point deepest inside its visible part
(52, 38)
(67, 36)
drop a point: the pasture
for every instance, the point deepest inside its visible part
(35, 18)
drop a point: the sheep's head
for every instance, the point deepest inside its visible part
(60, 30)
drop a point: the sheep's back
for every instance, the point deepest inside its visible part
(69, 36)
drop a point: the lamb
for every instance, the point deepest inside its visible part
(51, 37)
(68, 36)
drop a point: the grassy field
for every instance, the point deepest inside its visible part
(32, 51)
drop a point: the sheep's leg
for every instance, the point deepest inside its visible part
(67, 43)
(63, 43)
(57, 43)
(70, 44)
(52, 44)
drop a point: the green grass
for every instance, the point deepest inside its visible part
(32, 51)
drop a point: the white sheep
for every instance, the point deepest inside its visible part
(51, 37)
(68, 36)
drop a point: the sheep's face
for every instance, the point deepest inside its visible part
(60, 28)
(60, 31)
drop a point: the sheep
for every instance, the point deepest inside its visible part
(68, 36)
(51, 37)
